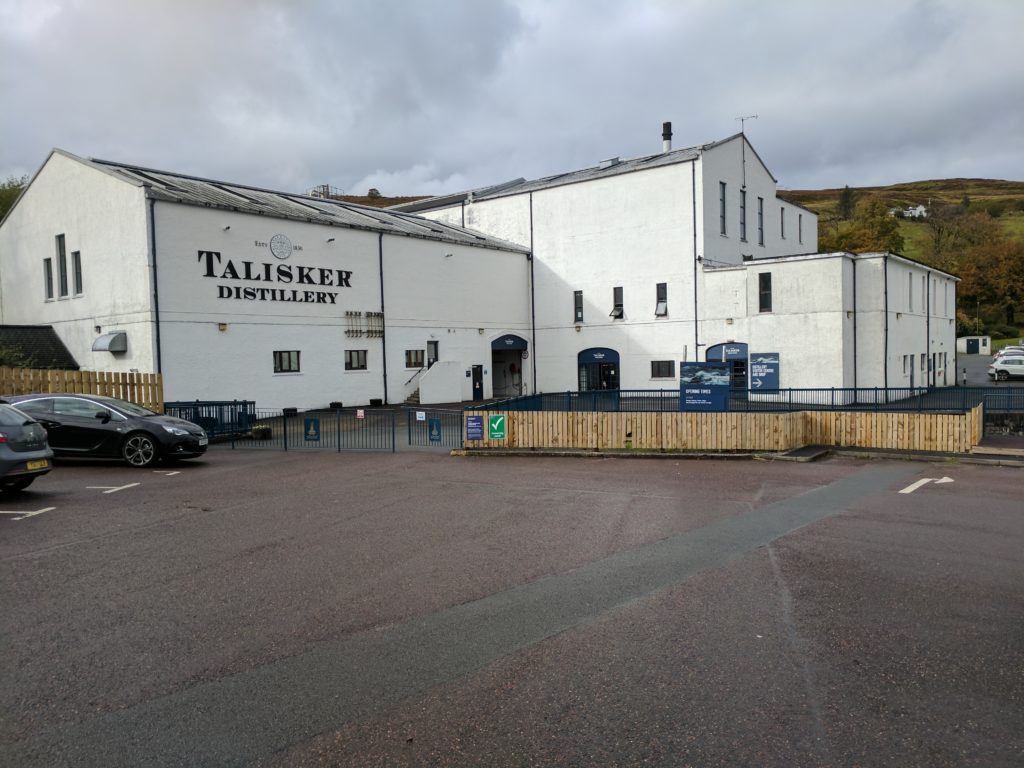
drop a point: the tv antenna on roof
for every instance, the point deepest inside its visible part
(744, 119)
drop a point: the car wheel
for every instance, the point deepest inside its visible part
(139, 450)
(1002, 375)
(20, 484)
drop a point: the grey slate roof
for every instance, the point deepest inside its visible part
(605, 169)
(37, 346)
(191, 190)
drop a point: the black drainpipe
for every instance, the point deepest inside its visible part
(885, 342)
(156, 290)
(383, 324)
(928, 330)
(533, 306)
(693, 192)
(853, 262)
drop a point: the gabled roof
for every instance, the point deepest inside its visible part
(612, 167)
(37, 346)
(208, 193)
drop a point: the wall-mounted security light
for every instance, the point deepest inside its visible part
(330, 239)
(728, 321)
(899, 315)
(480, 331)
(227, 227)
(98, 329)
(222, 326)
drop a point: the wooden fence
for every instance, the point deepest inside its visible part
(145, 389)
(677, 431)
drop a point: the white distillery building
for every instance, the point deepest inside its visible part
(233, 292)
(690, 255)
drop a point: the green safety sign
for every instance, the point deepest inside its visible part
(496, 427)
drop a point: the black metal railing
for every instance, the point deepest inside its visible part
(356, 429)
(434, 428)
(217, 417)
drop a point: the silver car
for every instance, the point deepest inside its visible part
(24, 452)
(1007, 367)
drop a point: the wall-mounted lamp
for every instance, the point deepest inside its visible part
(98, 329)
(480, 331)
(849, 313)
(899, 315)
(227, 227)
(222, 326)
(577, 329)
(447, 255)
(330, 239)
(728, 321)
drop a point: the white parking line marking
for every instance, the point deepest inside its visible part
(23, 515)
(166, 472)
(111, 488)
(924, 481)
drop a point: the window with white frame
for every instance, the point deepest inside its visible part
(414, 358)
(62, 267)
(760, 221)
(76, 271)
(616, 312)
(48, 278)
(782, 223)
(743, 215)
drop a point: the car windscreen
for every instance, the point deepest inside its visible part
(11, 417)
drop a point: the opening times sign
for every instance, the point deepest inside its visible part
(704, 386)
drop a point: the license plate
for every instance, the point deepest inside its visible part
(204, 440)
(38, 464)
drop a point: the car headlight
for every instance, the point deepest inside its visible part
(175, 430)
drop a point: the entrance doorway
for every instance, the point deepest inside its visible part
(598, 369)
(478, 382)
(508, 354)
(734, 353)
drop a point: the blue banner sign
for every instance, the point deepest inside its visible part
(764, 371)
(474, 427)
(704, 386)
(311, 430)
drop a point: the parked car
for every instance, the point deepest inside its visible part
(1011, 350)
(94, 426)
(1007, 367)
(24, 453)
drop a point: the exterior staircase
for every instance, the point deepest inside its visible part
(414, 398)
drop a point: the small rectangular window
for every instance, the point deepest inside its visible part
(760, 221)
(721, 207)
(800, 228)
(764, 291)
(904, 365)
(355, 359)
(62, 267)
(286, 362)
(414, 358)
(661, 300)
(910, 292)
(76, 271)
(48, 277)
(782, 223)
(923, 356)
(663, 369)
(577, 302)
(616, 303)
(743, 215)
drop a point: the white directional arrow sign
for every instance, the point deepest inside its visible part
(924, 481)
(110, 488)
(23, 515)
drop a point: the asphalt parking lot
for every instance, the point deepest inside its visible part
(263, 608)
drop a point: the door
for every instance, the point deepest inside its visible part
(972, 346)
(85, 427)
(478, 382)
(432, 352)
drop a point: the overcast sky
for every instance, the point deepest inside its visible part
(434, 96)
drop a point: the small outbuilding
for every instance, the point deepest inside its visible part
(974, 345)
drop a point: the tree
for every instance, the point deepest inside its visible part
(870, 229)
(9, 191)
(847, 203)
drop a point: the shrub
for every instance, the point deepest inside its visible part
(1003, 332)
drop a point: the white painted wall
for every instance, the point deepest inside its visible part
(105, 220)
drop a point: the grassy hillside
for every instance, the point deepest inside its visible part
(1005, 199)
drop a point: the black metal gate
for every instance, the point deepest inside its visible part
(360, 429)
(434, 428)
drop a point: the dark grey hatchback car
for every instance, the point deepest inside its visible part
(105, 427)
(24, 454)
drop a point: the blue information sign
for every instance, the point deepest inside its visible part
(311, 429)
(764, 371)
(704, 386)
(434, 430)
(474, 427)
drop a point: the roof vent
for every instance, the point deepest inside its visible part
(666, 137)
(608, 163)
